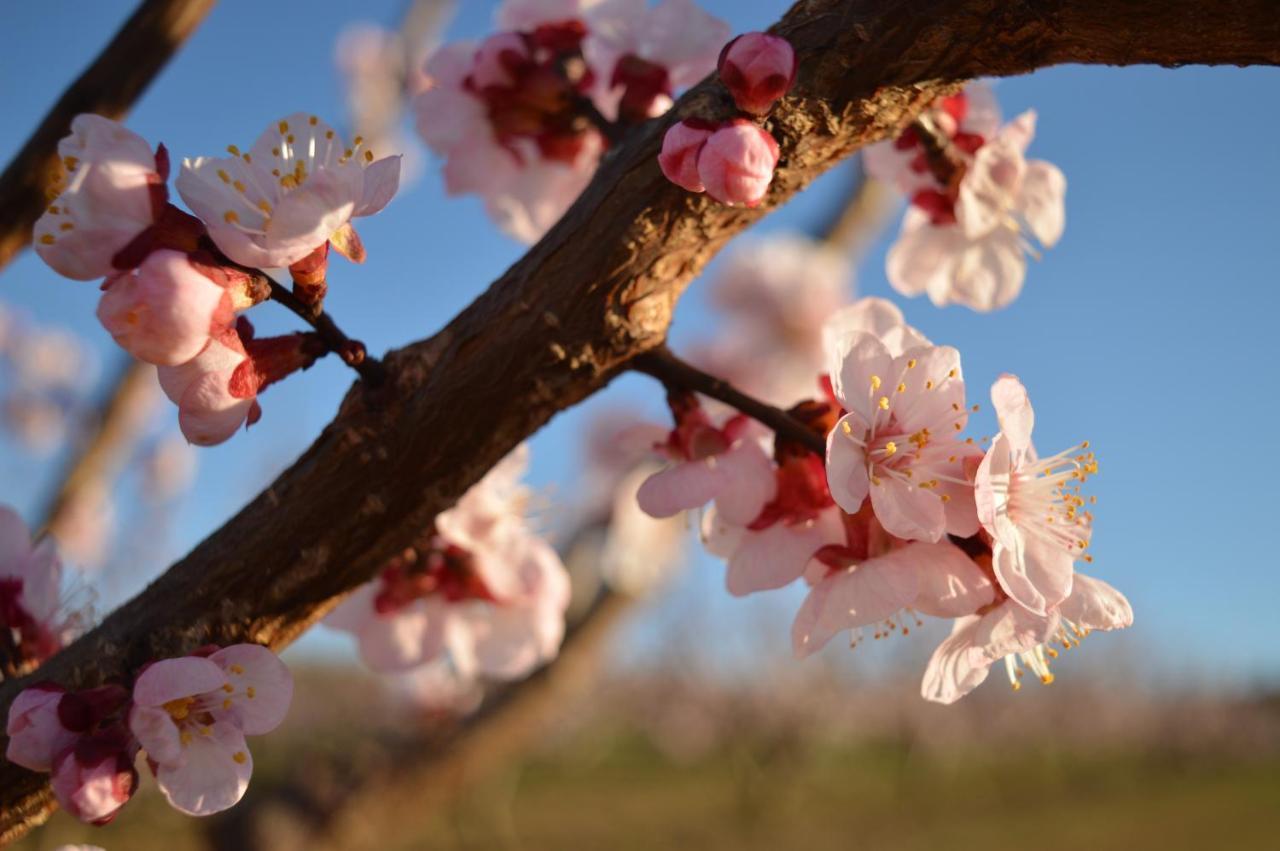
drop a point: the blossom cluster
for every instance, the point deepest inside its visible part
(35, 618)
(975, 200)
(175, 284)
(189, 715)
(480, 593)
(522, 118)
(902, 516)
(42, 380)
(733, 161)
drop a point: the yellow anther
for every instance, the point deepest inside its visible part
(328, 134)
(179, 708)
(890, 448)
(945, 497)
(902, 387)
(1047, 679)
(228, 688)
(226, 704)
(911, 364)
(952, 374)
(928, 385)
(66, 226)
(359, 140)
(348, 153)
(284, 126)
(233, 150)
(249, 692)
(54, 209)
(368, 156)
(71, 162)
(884, 403)
(289, 138)
(313, 121)
(875, 480)
(47, 239)
(957, 426)
(230, 216)
(236, 669)
(223, 176)
(845, 427)
(875, 382)
(247, 158)
(275, 152)
(976, 407)
(240, 757)
(239, 187)
(1085, 445)
(185, 737)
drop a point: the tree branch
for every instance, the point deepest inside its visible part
(351, 351)
(675, 373)
(108, 87)
(596, 292)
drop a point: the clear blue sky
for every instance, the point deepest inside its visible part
(1145, 330)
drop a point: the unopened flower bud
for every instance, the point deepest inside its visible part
(757, 68)
(736, 164)
(680, 149)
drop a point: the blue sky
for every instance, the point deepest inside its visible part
(1146, 330)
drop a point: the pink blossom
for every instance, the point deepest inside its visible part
(481, 589)
(758, 69)
(32, 612)
(777, 292)
(438, 688)
(875, 316)
(37, 735)
(530, 14)
(968, 119)
(513, 145)
(191, 716)
(681, 147)
(289, 194)
(113, 191)
(1010, 631)
(971, 249)
(726, 464)
(898, 442)
(94, 778)
(165, 311)
(863, 590)
(644, 54)
(217, 391)
(774, 548)
(736, 163)
(1032, 506)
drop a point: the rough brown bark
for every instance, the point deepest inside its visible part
(108, 87)
(595, 292)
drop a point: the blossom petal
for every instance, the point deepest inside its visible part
(1013, 410)
(1041, 204)
(1037, 574)
(681, 487)
(157, 734)
(777, 556)
(951, 584)
(171, 679)
(864, 594)
(1094, 604)
(381, 180)
(847, 476)
(907, 511)
(214, 775)
(403, 639)
(749, 482)
(263, 686)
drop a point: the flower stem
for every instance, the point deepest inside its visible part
(351, 351)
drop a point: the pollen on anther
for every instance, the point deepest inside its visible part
(240, 757)
(844, 426)
(328, 134)
(952, 374)
(368, 156)
(223, 176)
(911, 364)
(902, 387)
(237, 185)
(228, 688)
(313, 121)
(284, 126)
(875, 382)
(249, 692)
(226, 704)
(230, 217)
(289, 138)
(236, 669)
(47, 239)
(66, 226)
(889, 448)
(884, 403)
(233, 150)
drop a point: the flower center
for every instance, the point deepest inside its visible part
(1045, 498)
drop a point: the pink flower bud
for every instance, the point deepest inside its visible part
(93, 780)
(736, 163)
(758, 68)
(164, 312)
(36, 733)
(680, 149)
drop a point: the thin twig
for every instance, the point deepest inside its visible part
(108, 87)
(351, 351)
(673, 372)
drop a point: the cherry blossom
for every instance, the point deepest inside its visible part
(1016, 634)
(643, 55)
(291, 192)
(1032, 506)
(969, 119)
(898, 442)
(481, 589)
(34, 621)
(681, 147)
(863, 588)
(970, 249)
(165, 311)
(191, 715)
(736, 163)
(502, 115)
(95, 777)
(722, 463)
(114, 190)
(758, 69)
(776, 291)
(37, 735)
(217, 391)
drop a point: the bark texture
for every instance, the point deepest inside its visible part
(597, 291)
(108, 87)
